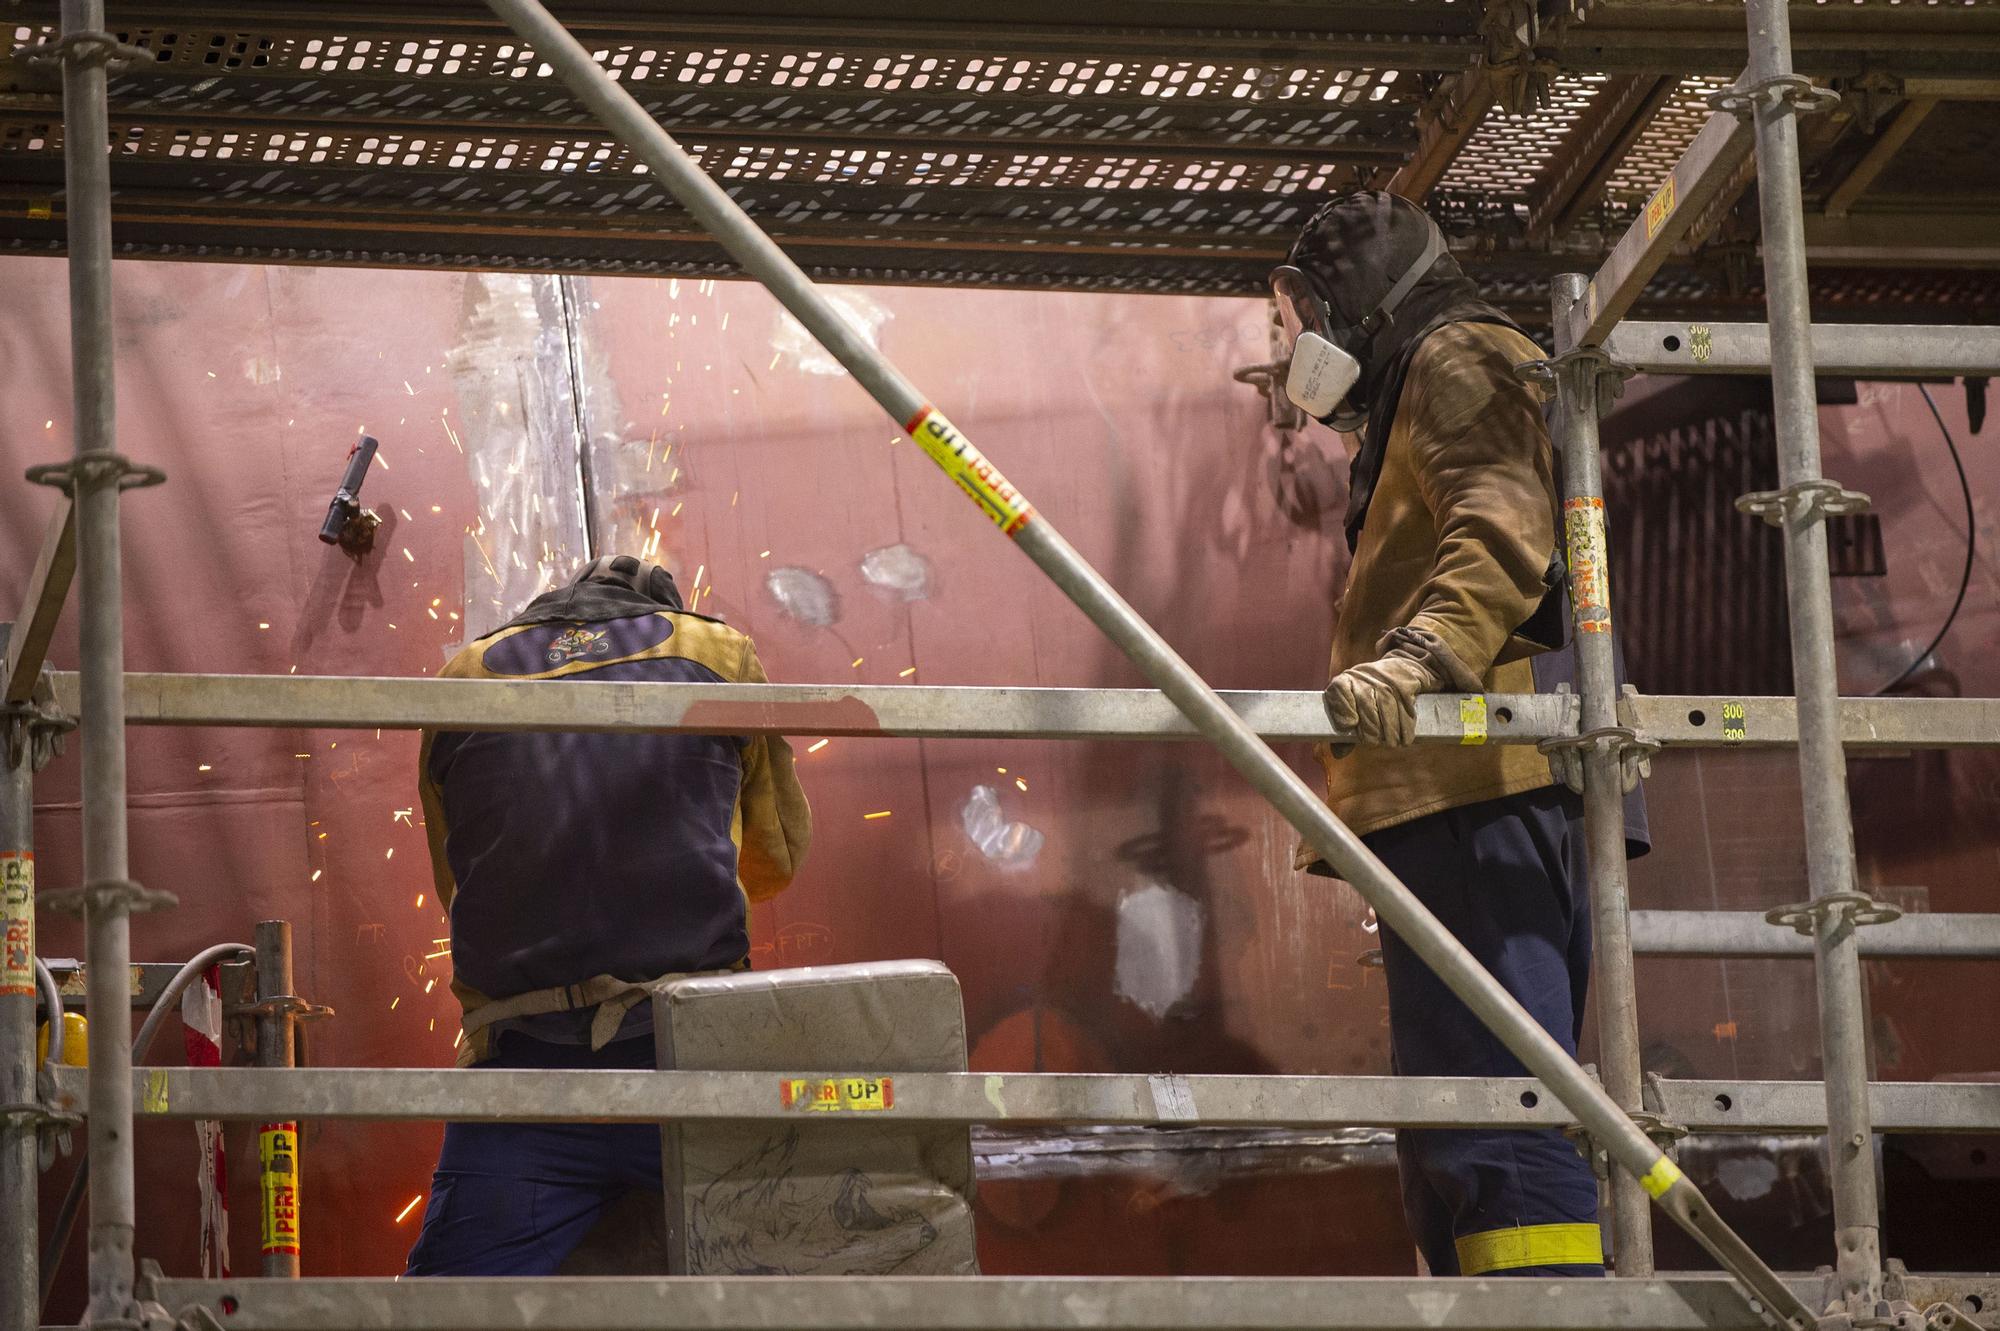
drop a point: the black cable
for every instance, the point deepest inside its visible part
(1971, 544)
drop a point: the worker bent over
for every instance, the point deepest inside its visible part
(1453, 585)
(578, 868)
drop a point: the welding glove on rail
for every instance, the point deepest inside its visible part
(1377, 700)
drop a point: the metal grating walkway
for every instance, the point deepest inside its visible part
(1170, 147)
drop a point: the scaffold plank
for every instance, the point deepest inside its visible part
(996, 1303)
(1110, 1099)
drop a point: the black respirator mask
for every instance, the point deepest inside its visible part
(1324, 366)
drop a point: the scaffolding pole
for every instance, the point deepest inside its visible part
(713, 209)
(20, 1281)
(278, 1165)
(95, 478)
(1596, 761)
(1772, 96)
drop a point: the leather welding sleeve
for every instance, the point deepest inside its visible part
(775, 820)
(1486, 471)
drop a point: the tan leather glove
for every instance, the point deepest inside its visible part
(1377, 700)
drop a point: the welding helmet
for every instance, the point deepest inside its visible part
(1325, 354)
(646, 578)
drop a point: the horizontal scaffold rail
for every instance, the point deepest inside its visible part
(999, 1303)
(1861, 350)
(1743, 933)
(1020, 1098)
(333, 702)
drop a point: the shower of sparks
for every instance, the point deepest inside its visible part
(1022, 784)
(404, 1214)
(870, 817)
(857, 663)
(905, 674)
(817, 746)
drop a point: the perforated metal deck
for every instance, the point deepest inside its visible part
(1163, 147)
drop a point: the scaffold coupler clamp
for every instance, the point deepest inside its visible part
(93, 470)
(121, 895)
(1803, 502)
(1588, 370)
(1633, 750)
(148, 1313)
(80, 50)
(1805, 97)
(1893, 1311)
(1843, 909)
(34, 729)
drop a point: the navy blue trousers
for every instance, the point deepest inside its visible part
(515, 1199)
(1507, 878)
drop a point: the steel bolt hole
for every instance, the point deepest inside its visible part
(1671, 342)
(1503, 714)
(229, 1304)
(1724, 1103)
(1697, 717)
(1973, 1303)
(1529, 1099)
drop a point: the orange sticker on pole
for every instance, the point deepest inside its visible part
(278, 1171)
(968, 467)
(1660, 207)
(17, 923)
(1589, 590)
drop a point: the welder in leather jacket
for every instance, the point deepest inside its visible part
(577, 869)
(1453, 586)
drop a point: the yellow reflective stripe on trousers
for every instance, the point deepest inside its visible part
(1529, 1245)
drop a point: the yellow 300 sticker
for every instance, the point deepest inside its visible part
(833, 1095)
(968, 467)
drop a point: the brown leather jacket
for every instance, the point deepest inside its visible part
(1457, 540)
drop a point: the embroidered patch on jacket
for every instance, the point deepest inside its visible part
(546, 647)
(576, 642)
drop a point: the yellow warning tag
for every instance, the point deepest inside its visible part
(1589, 592)
(832, 1095)
(155, 1101)
(968, 467)
(278, 1165)
(1663, 1175)
(17, 922)
(1472, 719)
(1660, 207)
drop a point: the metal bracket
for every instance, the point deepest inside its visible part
(1633, 750)
(1854, 909)
(1653, 1120)
(115, 894)
(1944, 1317)
(1805, 97)
(94, 469)
(1813, 501)
(280, 1005)
(83, 49)
(34, 730)
(1590, 364)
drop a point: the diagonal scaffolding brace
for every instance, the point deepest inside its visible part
(1005, 505)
